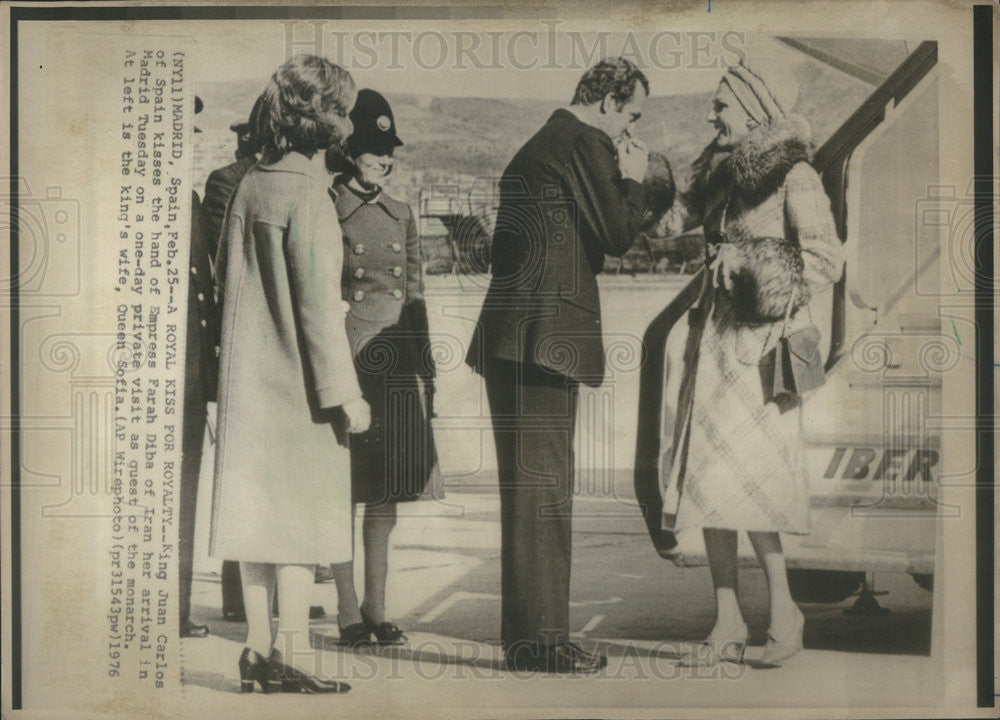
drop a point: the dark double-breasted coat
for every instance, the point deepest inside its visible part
(382, 268)
(383, 284)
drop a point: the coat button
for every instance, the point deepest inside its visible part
(359, 295)
(201, 297)
(194, 270)
(397, 293)
(396, 247)
(345, 306)
(359, 249)
(397, 271)
(204, 323)
(359, 273)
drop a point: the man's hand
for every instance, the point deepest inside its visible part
(359, 415)
(633, 157)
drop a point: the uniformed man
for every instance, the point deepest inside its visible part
(222, 183)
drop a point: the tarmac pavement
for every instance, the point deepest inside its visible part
(644, 612)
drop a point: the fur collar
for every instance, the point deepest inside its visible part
(757, 166)
(759, 163)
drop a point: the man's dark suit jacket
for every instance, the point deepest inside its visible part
(204, 317)
(219, 187)
(563, 207)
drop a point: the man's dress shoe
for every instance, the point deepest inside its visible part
(563, 658)
(193, 630)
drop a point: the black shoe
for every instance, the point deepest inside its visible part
(285, 678)
(316, 612)
(324, 574)
(355, 635)
(193, 630)
(385, 632)
(563, 658)
(237, 614)
(253, 668)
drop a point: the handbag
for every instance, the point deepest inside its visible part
(794, 366)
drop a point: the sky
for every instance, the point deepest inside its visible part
(541, 60)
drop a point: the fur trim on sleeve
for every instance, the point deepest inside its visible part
(771, 271)
(707, 177)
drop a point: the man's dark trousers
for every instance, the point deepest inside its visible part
(534, 417)
(200, 379)
(564, 206)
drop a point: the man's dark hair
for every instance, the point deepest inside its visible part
(617, 76)
(248, 134)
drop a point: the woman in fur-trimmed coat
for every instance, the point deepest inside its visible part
(740, 461)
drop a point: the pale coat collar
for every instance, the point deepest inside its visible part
(296, 162)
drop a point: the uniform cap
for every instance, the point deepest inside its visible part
(374, 125)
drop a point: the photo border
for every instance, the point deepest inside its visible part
(984, 18)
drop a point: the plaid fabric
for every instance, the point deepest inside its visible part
(742, 463)
(744, 468)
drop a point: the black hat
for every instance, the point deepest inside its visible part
(249, 130)
(374, 126)
(198, 105)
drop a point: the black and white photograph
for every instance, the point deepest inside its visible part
(567, 360)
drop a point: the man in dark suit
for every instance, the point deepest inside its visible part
(571, 195)
(222, 183)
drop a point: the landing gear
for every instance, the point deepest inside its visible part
(866, 604)
(824, 586)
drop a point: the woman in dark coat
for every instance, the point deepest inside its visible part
(738, 462)
(287, 385)
(388, 332)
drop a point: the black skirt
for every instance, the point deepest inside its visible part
(394, 460)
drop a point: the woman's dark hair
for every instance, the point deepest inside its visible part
(617, 76)
(306, 104)
(338, 162)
